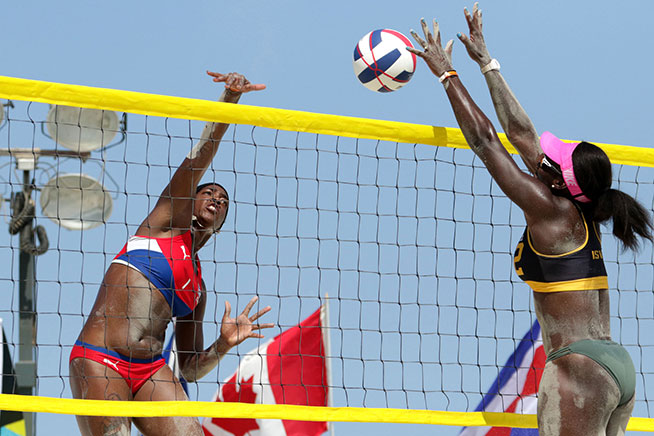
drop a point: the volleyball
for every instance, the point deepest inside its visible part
(381, 61)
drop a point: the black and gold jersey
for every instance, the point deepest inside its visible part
(581, 269)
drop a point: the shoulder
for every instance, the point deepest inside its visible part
(560, 229)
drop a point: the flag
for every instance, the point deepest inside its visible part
(516, 387)
(11, 423)
(288, 369)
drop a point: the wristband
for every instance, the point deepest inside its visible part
(492, 65)
(447, 74)
(206, 134)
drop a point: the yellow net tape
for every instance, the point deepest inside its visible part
(274, 411)
(283, 119)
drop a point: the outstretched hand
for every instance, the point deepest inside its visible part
(438, 60)
(475, 44)
(235, 330)
(236, 82)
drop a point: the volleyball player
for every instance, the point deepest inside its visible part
(156, 277)
(588, 383)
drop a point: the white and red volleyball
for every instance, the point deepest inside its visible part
(381, 61)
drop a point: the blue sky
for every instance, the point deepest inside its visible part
(581, 70)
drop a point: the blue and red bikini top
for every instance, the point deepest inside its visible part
(168, 264)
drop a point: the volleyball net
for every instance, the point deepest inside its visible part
(398, 227)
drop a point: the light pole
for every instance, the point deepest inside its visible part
(80, 131)
(22, 208)
(22, 217)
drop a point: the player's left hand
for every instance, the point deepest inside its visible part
(235, 330)
(438, 60)
(475, 44)
(236, 82)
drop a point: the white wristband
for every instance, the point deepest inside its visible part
(492, 65)
(206, 134)
(447, 74)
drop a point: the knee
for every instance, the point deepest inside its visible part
(115, 426)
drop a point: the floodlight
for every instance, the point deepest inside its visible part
(81, 129)
(76, 201)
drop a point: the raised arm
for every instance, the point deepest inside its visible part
(513, 118)
(530, 194)
(174, 207)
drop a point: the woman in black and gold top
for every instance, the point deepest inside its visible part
(588, 384)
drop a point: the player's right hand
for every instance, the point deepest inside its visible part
(236, 82)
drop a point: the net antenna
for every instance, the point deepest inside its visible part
(73, 201)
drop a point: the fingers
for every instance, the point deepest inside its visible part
(448, 49)
(476, 15)
(469, 20)
(425, 29)
(431, 38)
(254, 334)
(248, 307)
(228, 309)
(474, 19)
(260, 313)
(428, 35)
(236, 82)
(419, 40)
(267, 325)
(437, 32)
(215, 75)
(255, 87)
(414, 51)
(465, 40)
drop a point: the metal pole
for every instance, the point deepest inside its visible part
(26, 365)
(324, 321)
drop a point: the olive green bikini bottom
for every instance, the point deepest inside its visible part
(611, 356)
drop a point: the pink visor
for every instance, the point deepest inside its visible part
(561, 153)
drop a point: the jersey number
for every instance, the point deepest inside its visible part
(518, 256)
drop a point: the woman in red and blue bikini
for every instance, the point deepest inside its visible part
(157, 277)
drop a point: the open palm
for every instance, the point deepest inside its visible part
(235, 330)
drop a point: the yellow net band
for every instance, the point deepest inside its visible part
(283, 119)
(275, 411)
(260, 411)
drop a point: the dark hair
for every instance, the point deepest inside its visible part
(592, 169)
(204, 185)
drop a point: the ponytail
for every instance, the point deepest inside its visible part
(630, 218)
(592, 169)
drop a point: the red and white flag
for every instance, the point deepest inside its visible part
(289, 369)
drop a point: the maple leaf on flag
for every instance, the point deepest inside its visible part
(238, 427)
